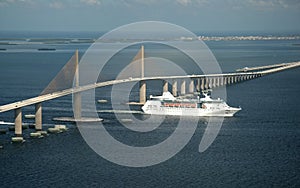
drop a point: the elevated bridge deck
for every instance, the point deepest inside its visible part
(70, 71)
(58, 94)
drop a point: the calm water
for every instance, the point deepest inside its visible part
(260, 147)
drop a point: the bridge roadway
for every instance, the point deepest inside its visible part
(203, 82)
(42, 98)
(248, 69)
(281, 68)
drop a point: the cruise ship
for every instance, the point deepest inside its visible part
(167, 104)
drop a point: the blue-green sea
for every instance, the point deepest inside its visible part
(259, 147)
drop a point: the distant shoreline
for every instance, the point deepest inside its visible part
(86, 40)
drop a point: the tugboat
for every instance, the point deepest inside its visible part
(167, 104)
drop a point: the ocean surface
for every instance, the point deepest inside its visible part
(259, 147)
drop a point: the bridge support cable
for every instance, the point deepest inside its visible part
(77, 96)
(64, 79)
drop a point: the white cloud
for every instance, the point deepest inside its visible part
(262, 3)
(56, 5)
(270, 4)
(140, 2)
(238, 4)
(233, 4)
(184, 2)
(91, 2)
(25, 3)
(192, 2)
(7, 2)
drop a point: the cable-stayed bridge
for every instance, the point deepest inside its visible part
(62, 85)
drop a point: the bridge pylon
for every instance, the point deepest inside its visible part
(38, 116)
(18, 122)
(77, 96)
(142, 82)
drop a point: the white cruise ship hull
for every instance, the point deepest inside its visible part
(167, 104)
(229, 112)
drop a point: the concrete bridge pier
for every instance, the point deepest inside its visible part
(235, 79)
(202, 83)
(18, 122)
(38, 116)
(166, 86)
(220, 81)
(225, 80)
(217, 81)
(182, 87)
(174, 88)
(142, 92)
(77, 96)
(231, 80)
(206, 85)
(77, 106)
(240, 78)
(210, 83)
(191, 86)
(198, 86)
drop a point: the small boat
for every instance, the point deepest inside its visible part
(36, 135)
(102, 101)
(43, 133)
(57, 129)
(29, 116)
(54, 130)
(17, 139)
(61, 127)
(46, 49)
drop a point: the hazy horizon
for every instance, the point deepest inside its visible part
(229, 16)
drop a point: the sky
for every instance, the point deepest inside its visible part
(268, 16)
